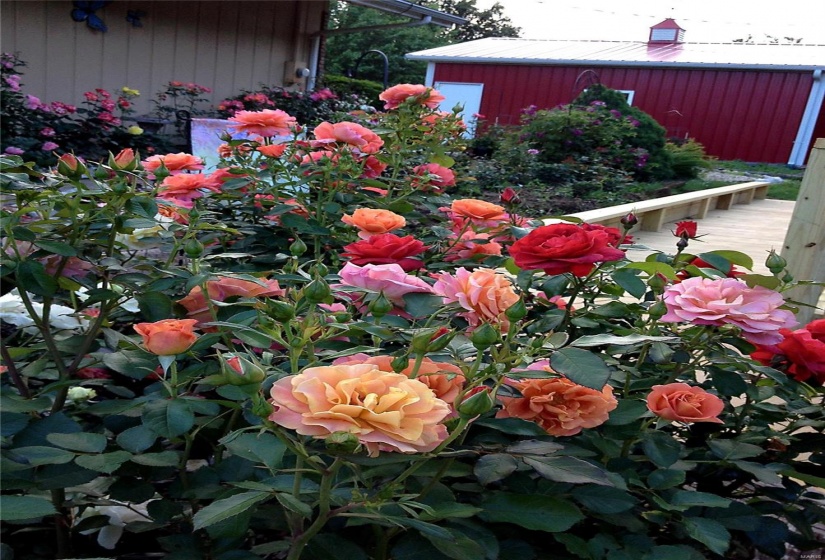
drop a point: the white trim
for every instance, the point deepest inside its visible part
(629, 95)
(808, 122)
(430, 76)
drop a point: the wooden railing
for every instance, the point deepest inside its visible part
(653, 214)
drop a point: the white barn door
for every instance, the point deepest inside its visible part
(465, 94)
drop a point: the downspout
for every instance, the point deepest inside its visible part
(315, 54)
(808, 122)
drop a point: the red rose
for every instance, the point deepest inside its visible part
(805, 351)
(561, 248)
(613, 234)
(386, 248)
(686, 229)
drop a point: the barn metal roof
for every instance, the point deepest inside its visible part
(629, 53)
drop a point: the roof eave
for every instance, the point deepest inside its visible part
(654, 64)
(412, 11)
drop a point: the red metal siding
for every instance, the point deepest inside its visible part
(736, 114)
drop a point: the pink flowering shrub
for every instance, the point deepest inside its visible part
(325, 348)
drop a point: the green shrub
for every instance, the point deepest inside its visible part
(366, 89)
(687, 158)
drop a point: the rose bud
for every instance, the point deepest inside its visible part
(71, 166)
(168, 337)
(297, 248)
(686, 229)
(240, 371)
(125, 160)
(509, 196)
(380, 306)
(484, 336)
(775, 263)
(477, 401)
(516, 311)
(317, 291)
(629, 220)
(342, 442)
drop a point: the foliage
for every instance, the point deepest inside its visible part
(35, 130)
(161, 324)
(649, 134)
(687, 158)
(179, 96)
(364, 89)
(343, 51)
(309, 108)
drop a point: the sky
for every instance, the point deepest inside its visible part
(714, 21)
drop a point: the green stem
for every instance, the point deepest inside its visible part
(324, 496)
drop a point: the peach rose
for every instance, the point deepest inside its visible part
(433, 175)
(559, 406)
(386, 411)
(167, 337)
(267, 122)
(224, 288)
(446, 380)
(374, 222)
(272, 150)
(479, 212)
(472, 245)
(361, 138)
(396, 95)
(484, 293)
(679, 402)
(175, 163)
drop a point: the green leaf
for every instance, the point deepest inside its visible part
(442, 159)
(602, 339)
(731, 257)
(581, 366)
(512, 426)
(32, 277)
(805, 477)
(763, 473)
(136, 439)
(37, 455)
(228, 507)
(260, 448)
(162, 459)
(690, 499)
(81, 441)
(710, 533)
(653, 268)
(661, 479)
(630, 282)
(627, 412)
(538, 513)
(328, 546)
(57, 247)
(154, 306)
(728, 383)
(534, 447)
(606, 500)
(459, 547)
(143, 206)
(137, 364)
(494, 467)
(422, 305)
(569, 469)
(20, 508)
(730, 449)
(662, 449)
(168, 418)
(105, 463)
(293, 504)
(673, 552)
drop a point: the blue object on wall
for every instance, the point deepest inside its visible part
(133, 17)
(85, 11)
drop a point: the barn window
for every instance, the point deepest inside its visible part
(628, 95)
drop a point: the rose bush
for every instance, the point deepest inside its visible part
(314, 352)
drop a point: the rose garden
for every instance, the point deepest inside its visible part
(316, 351)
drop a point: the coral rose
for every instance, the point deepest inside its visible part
(479, 212)
(559, 406)
(174, 163)
(272, 150)
(484, 293)
(679, 402)
(386, 249)
(721, 301)
(360, 138)
(433, 175)
(167, 337)
(387, 278)
(446, 380)
(183, 189)
(472, 245)
(396, 95)
(374, 222)
(224, 288)
(373, 167)
(267, 122)
(386, 411)
(561, 248)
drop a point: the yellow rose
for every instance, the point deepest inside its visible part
(135, 130)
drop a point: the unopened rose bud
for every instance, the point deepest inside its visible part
(629, 220)
(317, 291)
(484, 336)
(341, 442)
(238, 370)
(657, 310)
(260, 406)
(161, 172)
(280, 310)
(297, 248)
(775, 263)
(125, 160)
(476, 402)
(71, 166)
(400, 363)
(682, 243)
(440, 339)
(509, 196)
(657, 282)
(193, 248)
(516, 311)
(380, 306)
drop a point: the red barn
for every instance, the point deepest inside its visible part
(753, 102)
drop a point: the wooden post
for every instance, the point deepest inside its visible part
(804, 246)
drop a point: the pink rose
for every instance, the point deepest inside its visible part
(484, 293)
(396, 95)
(727, 301)
(386, 411)
(387, 278)
(362, 139)
(680, 402)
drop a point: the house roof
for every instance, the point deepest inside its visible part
(411, 10)
(629, 53)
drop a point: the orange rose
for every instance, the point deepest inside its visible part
(374, 222)
(477, 210)
(268, 122)
(446, 380)
(174, 163)
(167, 337)
(386, 411)
(680, 402)
(396, 95)
(559, 406)
(272, 150)
(222, 289)
(362, 139)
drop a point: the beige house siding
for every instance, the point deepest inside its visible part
(226, 46)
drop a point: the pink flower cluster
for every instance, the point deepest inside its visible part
(728, 301)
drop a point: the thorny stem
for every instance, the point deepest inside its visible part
(324, 496)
